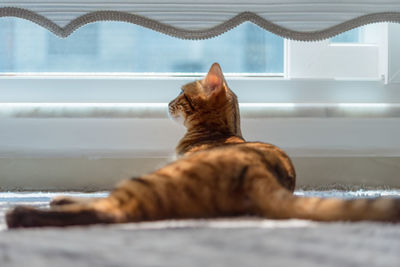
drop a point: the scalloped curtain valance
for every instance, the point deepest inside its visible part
(305, 20)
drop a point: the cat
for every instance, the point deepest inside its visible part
(217, 173)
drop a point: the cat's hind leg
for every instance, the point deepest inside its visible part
(276, 202)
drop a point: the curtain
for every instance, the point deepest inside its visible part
(306, 20)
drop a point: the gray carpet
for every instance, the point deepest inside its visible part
(244, 241)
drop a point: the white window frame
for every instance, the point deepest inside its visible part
(330, 60)
(394, 54)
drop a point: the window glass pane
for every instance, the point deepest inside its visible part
(368, 34)
(123, 47)
(352, 36)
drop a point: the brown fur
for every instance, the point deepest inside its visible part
(217, 174)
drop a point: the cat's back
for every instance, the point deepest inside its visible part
(230, 159)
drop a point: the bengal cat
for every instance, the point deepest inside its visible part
(217, 173)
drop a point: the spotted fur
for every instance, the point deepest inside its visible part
(217, 173)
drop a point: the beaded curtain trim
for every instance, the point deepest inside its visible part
(198, 34)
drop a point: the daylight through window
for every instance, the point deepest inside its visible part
(122, 47)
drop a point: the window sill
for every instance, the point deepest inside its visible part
(160, 110)
(163, 89)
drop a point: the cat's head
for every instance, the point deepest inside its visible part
(207, 103)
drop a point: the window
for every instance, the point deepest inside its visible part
(115, 62)
(85, 44)
(352, 36)
(117, 47)
(369, 34)
(121, 47)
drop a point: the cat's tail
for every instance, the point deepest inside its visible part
(282, 204)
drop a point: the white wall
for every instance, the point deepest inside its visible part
(92, 154)
(158, 137)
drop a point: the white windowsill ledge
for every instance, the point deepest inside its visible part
(160, 110)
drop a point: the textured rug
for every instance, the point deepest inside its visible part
(242, 241)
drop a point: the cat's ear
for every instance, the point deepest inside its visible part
(214, 81)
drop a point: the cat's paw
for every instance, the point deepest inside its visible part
(21, 216)
(62, 200)
(396, 218)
